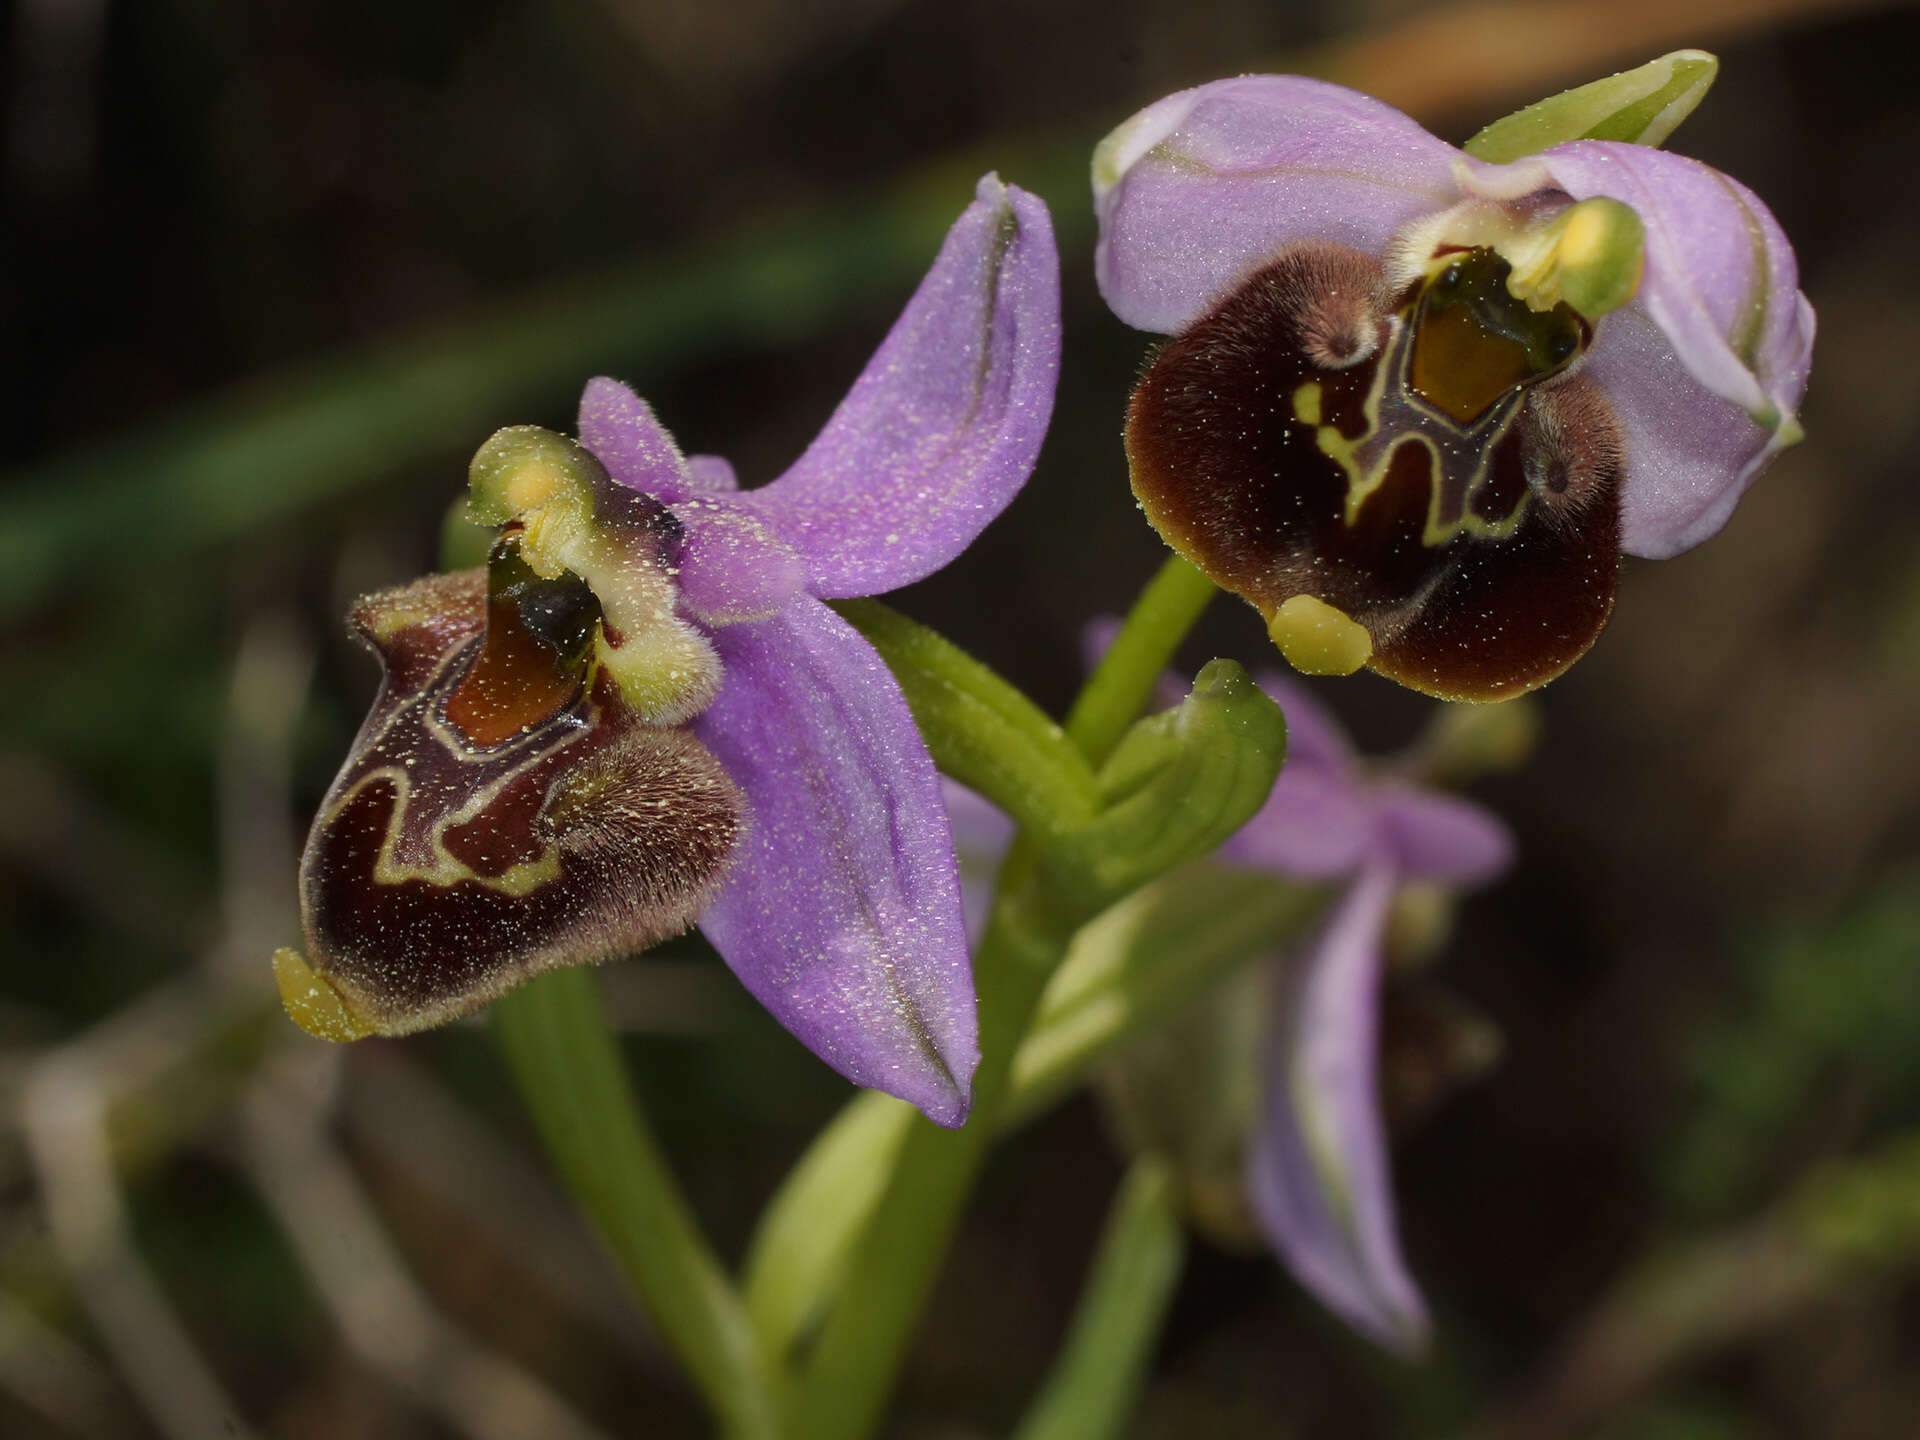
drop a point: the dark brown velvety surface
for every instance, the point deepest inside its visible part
(412, 905)
(1230, 472)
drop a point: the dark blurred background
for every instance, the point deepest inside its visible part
(277, 268)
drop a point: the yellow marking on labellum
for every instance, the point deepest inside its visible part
(311, 1001)
(1361, 481)
(1363, 478)
(1451, 380)
(1319, 639)
(1438, 532)
(444, 869)
(449, 737)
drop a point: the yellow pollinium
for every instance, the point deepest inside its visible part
(1319, 639)
(313, 1004)
(1591, 256)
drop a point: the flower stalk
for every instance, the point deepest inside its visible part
(554, 1034)
(1123, 681)
(1091, 1392)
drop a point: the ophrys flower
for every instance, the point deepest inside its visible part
(1416, 405)
(644, 712)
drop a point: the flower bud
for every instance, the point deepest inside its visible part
(1189, 1092)
(1178, 784)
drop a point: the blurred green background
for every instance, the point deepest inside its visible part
(279, 267)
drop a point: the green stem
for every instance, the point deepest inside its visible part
(808, 1230)
(854, 1366)
(554, 1032)
(1122, 683)
(1091, 1392)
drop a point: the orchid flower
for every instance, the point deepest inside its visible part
(1416, 405)
(1317, 1170)
(643, 713)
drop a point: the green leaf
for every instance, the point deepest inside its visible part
(555, 1036)
(1192, 1087)
(807, 1232)
(1641, 107)
(1146, 958)
(885, 1282)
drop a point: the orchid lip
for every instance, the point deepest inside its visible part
(1415, 465)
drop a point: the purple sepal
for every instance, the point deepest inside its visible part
(1431, 836)
(1205, 185)
(943, 426)
(1326, 819)
(1317, 1171)
(841, 912)
(621, 431)
(1315, 735)
(733, 567)
(711, 474)
(1317, 824)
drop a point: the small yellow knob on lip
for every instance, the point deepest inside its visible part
(312, 1004)
(1319, 639)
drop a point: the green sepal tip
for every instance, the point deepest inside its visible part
(1642, 106)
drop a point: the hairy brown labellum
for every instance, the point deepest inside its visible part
(503, 811)
(1426, 463)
